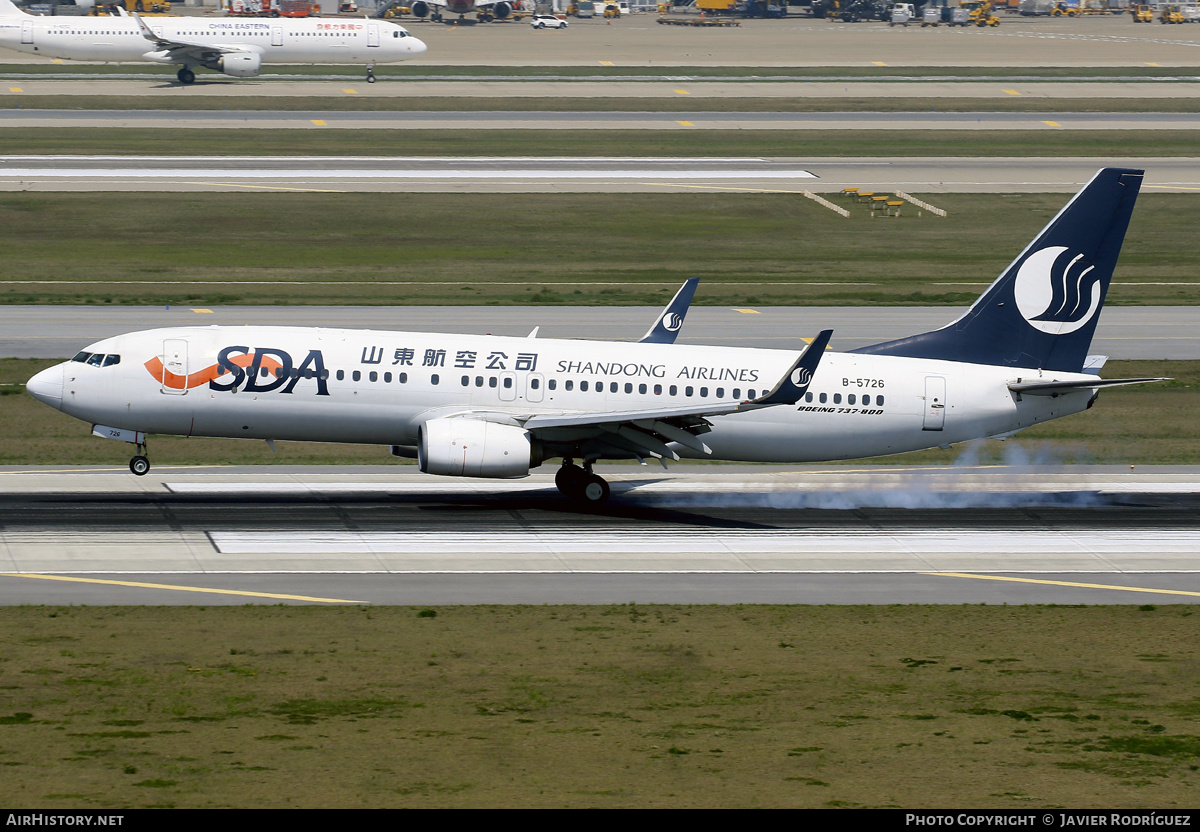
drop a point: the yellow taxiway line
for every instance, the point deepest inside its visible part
(274, 595)
(1062, 583)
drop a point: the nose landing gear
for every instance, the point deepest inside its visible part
(370, 73)
(580, 484)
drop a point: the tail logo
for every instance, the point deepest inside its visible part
(672, 321)
(801, 377)
(1055, 292)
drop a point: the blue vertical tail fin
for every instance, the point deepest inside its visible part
(1042, 310)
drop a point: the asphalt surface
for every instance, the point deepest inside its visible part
(1124, 332)
(765, 534)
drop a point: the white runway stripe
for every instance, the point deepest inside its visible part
(426, 174)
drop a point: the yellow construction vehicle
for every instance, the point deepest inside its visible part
(140, 6)
(1063, 10)
(981, 12)
(1141, 13)
(1170, 14)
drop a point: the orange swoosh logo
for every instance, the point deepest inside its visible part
(171, 381)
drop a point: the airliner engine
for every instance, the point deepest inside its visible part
(474, 448)
(237, 64)
(501, 10)
(420, 9)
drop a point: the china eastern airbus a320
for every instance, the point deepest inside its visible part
(234, 47)
(483, 406)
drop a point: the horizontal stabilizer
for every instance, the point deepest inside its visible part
(1058, 388)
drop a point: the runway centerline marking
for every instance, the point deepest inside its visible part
(1064, 583)
(210, 590)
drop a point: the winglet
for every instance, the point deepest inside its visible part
(146, 31)
(670, 321)
(794, 384)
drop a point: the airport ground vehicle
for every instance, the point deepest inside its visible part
(1141, 13)
(902, 13)
(274, 8)
(980, 12)
(852, 11)
(546, 21)
(931, 16)
(1170, 14)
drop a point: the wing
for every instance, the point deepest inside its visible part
(647, 432)
(670, 320)
(179, 49)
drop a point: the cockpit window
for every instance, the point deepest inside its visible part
(399, 34)
(97, 359)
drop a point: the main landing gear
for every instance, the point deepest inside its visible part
(140, 464)
(581, 484)
(370, 73)
(186, 76)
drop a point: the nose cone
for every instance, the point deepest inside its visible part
(416, 46)
(47, 386)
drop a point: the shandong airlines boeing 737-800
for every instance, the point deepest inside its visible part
(484, 406)
(234, 47)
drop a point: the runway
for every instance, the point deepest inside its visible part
(1124, 332)
(557, 174)
(761, 534)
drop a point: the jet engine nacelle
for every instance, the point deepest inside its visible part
(475, 448)
(501, 10)
(237, 64)
(420, 9)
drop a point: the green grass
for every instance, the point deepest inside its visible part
(604, 706)
(336, 100)
(551, 249)
(1145, 424)
(816, 143)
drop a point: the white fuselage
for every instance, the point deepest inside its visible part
(311, 40)
(381, 387)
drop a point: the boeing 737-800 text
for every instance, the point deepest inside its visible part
(234, 47)
(483, 406)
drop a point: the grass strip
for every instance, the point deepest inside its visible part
(676, 141)
(604, 706)
(338, 101)
(1137, 425)
(254, 247)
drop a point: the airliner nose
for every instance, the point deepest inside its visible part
(415, 45)
(47, 386)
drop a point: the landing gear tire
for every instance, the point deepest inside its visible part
(581, 486)
(595, 490)
(139, 465)
(185, 76)
(569, 479)
(370, 78)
